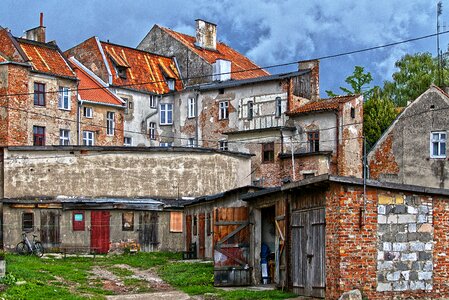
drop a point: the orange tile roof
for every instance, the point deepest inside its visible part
(45, 58)
(2, 59)
(141, 67)
(91, 90)
(238, 61)
(321, 105)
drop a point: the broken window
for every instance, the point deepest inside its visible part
(176, 221)
(78, 221)
(223, 110)
(27, 221)
(128, 221)
(438, 144)
(121, 71)
(250, 110)
(110, 123)
(352, 112)
(38, 136)
(268, 152)
(39, 94)
(313, 138)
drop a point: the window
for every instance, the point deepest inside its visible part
(27, 221)
(208, 224)
(352, 112)
(176, 221)
(165, 144)
(250, 110)
(110, 123)
(166, 114)
(127, 141)
(314, 141)
(128, 221)
(224, 145)
(153, 101)
(438, 144)
(126, 100)
(268, 152)
(152, 131)
(191, 111)
(38, 136)
(171, 84)
(64, 137)
(278, 107)
(191, 142)
(223, 110)
(78, 221)
(195, 225)
(88, 138)
(39, 94)
(121, 72)
(88, 112)
(64, 98)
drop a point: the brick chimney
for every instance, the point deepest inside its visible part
(38, 33)
(314, 67)
(206, 35)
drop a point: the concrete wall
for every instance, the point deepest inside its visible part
(403, 153)
(124, 172)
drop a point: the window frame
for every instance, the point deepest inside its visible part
(439, 142)
(88, 141)
(278, 108)
(191, 142)
(110, 123)
(179, 218)
(88, 112)
(153, 101)
(268, 152)
(152, 130)
(64, 98)
(191, 109)
(24, 221)
(131, 225)
(166, 114)
(64, 140)
(171, 84)
(130, 141)
(250, 112)
(39, 94)
(78, 225)
(223, 145)
(38, 137)
(313, 140)
(166, 144)
(223, 110)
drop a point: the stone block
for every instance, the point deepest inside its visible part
(406, 218)
(401, 237)
(380, 255)
(417, 265)
(412, 236)
(422, 255)
(428, 246)
(422, 219)
(400, 246)
(424, 275)
(402, 266)
(428, 266)
(400, 286)
(425, 228)
(417, 246)
(385, 265)
(351, 295)
(384, 287)
(423, 209)
(381, 219)
(392, 219)
(425, 237)
(409, 257)
(387, 246)
(412, 227)
(417, 285)
(390, 256)
(400, 209)
(412, 210)
(405, 275)
(381, 209)
(429, 286)
(413, 275)
(386, 199)
(394, 276)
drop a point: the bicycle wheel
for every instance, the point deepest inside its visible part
(38, 249)
(22, 248)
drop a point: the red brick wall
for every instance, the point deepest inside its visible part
(441, 247)
(7, 47)
(383, 161)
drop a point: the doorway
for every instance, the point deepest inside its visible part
(268, 244)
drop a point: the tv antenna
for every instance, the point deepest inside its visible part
(439, 53)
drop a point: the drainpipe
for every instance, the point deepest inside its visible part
(196, 118)
(80, 105)
(337, 139)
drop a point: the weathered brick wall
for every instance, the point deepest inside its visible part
(441, 246)
(383, 161)
(8, 48)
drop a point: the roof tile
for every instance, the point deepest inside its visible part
(321, 105)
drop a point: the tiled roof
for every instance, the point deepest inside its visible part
(91, 89)
(141, 67)
(2, 59)
(321, 105)
(45, 58)
(238, 61)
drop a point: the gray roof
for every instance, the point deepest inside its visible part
(212, 197)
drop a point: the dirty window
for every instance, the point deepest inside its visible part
(38, 136)
(278, 107)
(64, 137)
(88, 113)
(39, 94)
(175, 221)
(78, 220)
(27, 221)
(110, 123)
(224, 145)
(166, 114)
(438, 144)
(268, 152)
(313, 138)
(223, 110)
(128, 221)
(191, 108)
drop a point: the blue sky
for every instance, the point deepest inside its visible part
(269, 32)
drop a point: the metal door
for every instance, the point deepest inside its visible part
(50, 228)
(99, 235)
(231, 246)
(308, 252)
(201, 236)
(148, 227)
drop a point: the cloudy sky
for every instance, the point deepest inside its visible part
(269, 32)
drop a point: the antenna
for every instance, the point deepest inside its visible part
(439, 57)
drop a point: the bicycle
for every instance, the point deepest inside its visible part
(30, 247)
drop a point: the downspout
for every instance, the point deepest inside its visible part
(337, 133)
(196, 119)
(80, 105)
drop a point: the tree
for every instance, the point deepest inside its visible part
(378, 113)
(358, 82)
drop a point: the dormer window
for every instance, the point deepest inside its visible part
(121, 72)
(171, 84)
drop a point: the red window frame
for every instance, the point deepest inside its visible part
(77, 224)
(314, 141)
(38, 136)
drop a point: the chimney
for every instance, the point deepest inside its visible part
(206, 35)
(38, 33)
(314, 67)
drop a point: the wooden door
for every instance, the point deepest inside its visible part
(231, 246)
(308, 252)
(280, 275)
(99, 235)
(50, 228)
(148, 231)
(188, 232)
(201, 236)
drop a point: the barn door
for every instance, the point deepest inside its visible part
(201, 236)
(280, 224)
(308, 255)
(50, 228)
(99, 235)
(231, 246)
(188, 232)
(148, 227)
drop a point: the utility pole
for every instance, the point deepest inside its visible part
(439, 56)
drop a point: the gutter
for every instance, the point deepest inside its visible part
(105, 60)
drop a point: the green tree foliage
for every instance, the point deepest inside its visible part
(358, 81)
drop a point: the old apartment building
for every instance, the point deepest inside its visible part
(200, 58)
(146, 82)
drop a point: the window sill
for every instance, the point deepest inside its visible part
(438, 157)
(165, 124)
(64, 109)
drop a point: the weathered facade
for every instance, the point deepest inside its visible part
(413, 149)
(201, 58)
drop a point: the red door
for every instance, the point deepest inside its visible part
(201, 236)
(99, 235)
(188, 232)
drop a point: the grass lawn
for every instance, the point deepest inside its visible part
(72, 277)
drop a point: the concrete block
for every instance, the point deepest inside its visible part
(387, 246)
(400, 286)
(385, 266)
(412, 210)
(417, 285)
(423, 209)
(394, 276)
(406, 218)
(381, 209)
(400, 246)
(409, 257)
(384, 287)
(381, 219)
(417, 246)
(412, 227)
(428, 266)
(425, 275)
(428, 246)
(405, 275)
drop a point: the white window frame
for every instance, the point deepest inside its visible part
(64, 137)
(165, 144)
(153, 101)
(88, 138)
(110, 123)
(88, 112)
(224, 146)
(127, 141)
(64, 98)
(191, 109)
(166, 114)
(191, 142)
(438, 141)
(152, 130)
(223, 110)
